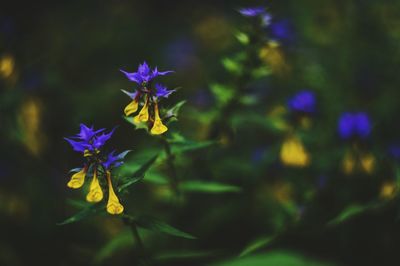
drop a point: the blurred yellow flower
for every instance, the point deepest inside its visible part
(354, 161)
(388, 190)
(293, 153)
(272, 55)
(6, 66)
(30, 119)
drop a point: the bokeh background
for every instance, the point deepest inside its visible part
(59, 66)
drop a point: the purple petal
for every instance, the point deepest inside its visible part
(252, 11)
(101, 140)
(76, 145)
(135, 77)
(162, 91)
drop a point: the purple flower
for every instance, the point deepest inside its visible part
(144, 74)
(78, 146)
(162, 91)
(88, 139)
(252, 11)
(86, 133)
(303, 101)
(354, 125)
(281, 30)
(114, 161)
(394, 151)
(99, 141)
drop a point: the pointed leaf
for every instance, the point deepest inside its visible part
(172, 114)
(123, 154)
(180, 144)
(137, 125)
(138, 175)
(256, 245)
(353, 211)
(274, 258)
(89, 211)
(156, 225)
(208, 187)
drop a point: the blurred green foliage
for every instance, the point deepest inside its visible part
(245, 198)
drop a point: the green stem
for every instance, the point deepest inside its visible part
(128, 221)
(174, 181)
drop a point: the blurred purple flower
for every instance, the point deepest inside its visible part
(394, 151)
(281, 30)
(354, 125)
(252, 11)
(303, 101)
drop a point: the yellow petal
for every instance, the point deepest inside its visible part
(95, 192)
(293, 153)
(368, 163)
(87, 153)
(143, 115)
(131, 108)
(158, 127)
(77, 179)
(113, 204)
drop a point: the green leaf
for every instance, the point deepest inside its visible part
(397, 176)
(89, 211)
(138, 175)
(274, 258)
(232, 65)
(156, 178)
(180, 144)
(274, 124)
(207, 187)
(242, 37)
(156, 225)
(122, 240)
(353, 211)
(261, 72)
(183, 254)
(223, 94)
(256, 245)
(129, 119)
(172, 113)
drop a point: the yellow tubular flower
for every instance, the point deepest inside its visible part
(368, 163)
(95, 193)
(143, 115)
(293, 153)
(348, 163)
(77, 179)
(131, 108)
(158, 127)
(113, 205)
